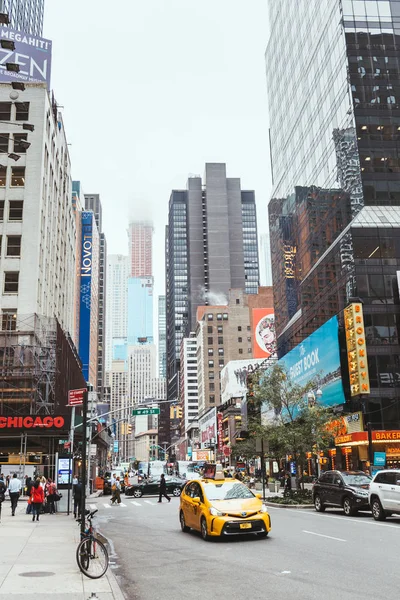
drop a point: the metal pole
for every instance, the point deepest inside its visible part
(71, 461)
(263, 467)
(84, 453)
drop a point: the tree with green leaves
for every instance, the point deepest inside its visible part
(292, 425)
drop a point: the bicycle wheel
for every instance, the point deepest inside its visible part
(92, 558)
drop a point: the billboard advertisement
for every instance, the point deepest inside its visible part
(317, 358)
(234, 378)
(208, 428)
(32, 54)
(86, 290)
(264, 339)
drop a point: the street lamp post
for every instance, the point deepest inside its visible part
(312, 401)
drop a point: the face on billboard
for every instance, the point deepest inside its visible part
(264, 332)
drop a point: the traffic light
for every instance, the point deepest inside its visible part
(129, 429)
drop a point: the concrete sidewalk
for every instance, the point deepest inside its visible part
(38, 559)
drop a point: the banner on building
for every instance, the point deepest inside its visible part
(356, 349)
(208, 428)
(86, 291)
(220, 433)
(264, 338)
(234, 377)
(32, 54)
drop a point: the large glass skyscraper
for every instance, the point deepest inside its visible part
(25, 15)
(333, 81)
(211, 247)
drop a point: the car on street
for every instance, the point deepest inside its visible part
(345, 489)
(384, 494)
(222, 507)
(151, 486)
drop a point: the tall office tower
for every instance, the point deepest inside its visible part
(140, 236)
(265, 261)
(189, 395)
(335, 208)
(116, 304)
(162, 338)
(140, 310)
(92, 202)
(119, 404)
(24, 15)
(211, 247)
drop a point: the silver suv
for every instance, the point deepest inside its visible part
(384, 494)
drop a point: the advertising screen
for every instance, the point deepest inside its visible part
(317, 358)
(264, 337)
(234, 377)
(64, 471)
(32, 54)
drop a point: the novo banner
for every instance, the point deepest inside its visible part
(86, 291)
(31, 53)
(264, 337)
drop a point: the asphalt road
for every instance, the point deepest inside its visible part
(307, 556)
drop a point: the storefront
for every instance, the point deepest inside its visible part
(353, 448)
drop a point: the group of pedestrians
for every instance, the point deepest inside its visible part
(39, 491)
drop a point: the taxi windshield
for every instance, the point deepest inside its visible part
(227, 491)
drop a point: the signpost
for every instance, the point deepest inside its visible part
(145, 411)
(75, 397)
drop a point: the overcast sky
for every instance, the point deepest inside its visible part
(154, 89)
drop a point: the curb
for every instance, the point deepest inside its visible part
(295, 506)
(114, 585)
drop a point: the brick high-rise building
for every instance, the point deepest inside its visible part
(140, 234)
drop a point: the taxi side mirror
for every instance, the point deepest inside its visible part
(196, 500)
(258, 496)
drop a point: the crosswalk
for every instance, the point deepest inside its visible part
(126, 504)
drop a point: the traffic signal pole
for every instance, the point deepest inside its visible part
(84, 458)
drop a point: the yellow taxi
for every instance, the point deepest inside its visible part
(218, 506)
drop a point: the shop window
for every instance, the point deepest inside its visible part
(17, 176)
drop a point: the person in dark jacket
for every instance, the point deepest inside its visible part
(77, 492)
(2, 492)
(163, 489)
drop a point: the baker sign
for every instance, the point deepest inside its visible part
(31, 422)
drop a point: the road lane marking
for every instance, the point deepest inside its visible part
(122, 504)
(107, 505)
(136, 503)
(150, 502)
(343, 519)
(93, 506)
(324, 536)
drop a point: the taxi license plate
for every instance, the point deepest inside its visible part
(245, 525)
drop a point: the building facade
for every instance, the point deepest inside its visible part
(38, 227)
(93, 203)
(336, 166)
(162, 338)
(211, 247)
(24, 15)
(223, 334)
(140, 310)
(116, 303)
(265, 260)
(140, 238)
(189, 394)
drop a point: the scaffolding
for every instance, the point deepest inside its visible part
(28, 365)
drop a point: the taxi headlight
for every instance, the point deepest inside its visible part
(215, 512)
(263, 509)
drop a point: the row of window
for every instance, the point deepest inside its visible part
(21, 111)
(220, 317)
(17, 176)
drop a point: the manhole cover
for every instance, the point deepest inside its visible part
(37, 574)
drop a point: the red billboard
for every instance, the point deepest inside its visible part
(264, 339)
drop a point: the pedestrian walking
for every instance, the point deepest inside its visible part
(51, 491)
(77, 492)
(14, 488)
(116, 497)
(37, 499)
(2, 491)
(163, 489)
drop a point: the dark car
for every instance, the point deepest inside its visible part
(152, 487)
(347, 489)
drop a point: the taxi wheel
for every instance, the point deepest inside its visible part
(138, 493)
(184, 527)
(203, 528)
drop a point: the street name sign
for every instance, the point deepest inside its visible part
(145, 411)
(75, 397)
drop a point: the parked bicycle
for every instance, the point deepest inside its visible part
(91, 554)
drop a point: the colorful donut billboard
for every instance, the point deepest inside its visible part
(264, 338)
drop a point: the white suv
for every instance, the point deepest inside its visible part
(384, 494)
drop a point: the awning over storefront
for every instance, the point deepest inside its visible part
(360, 438)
